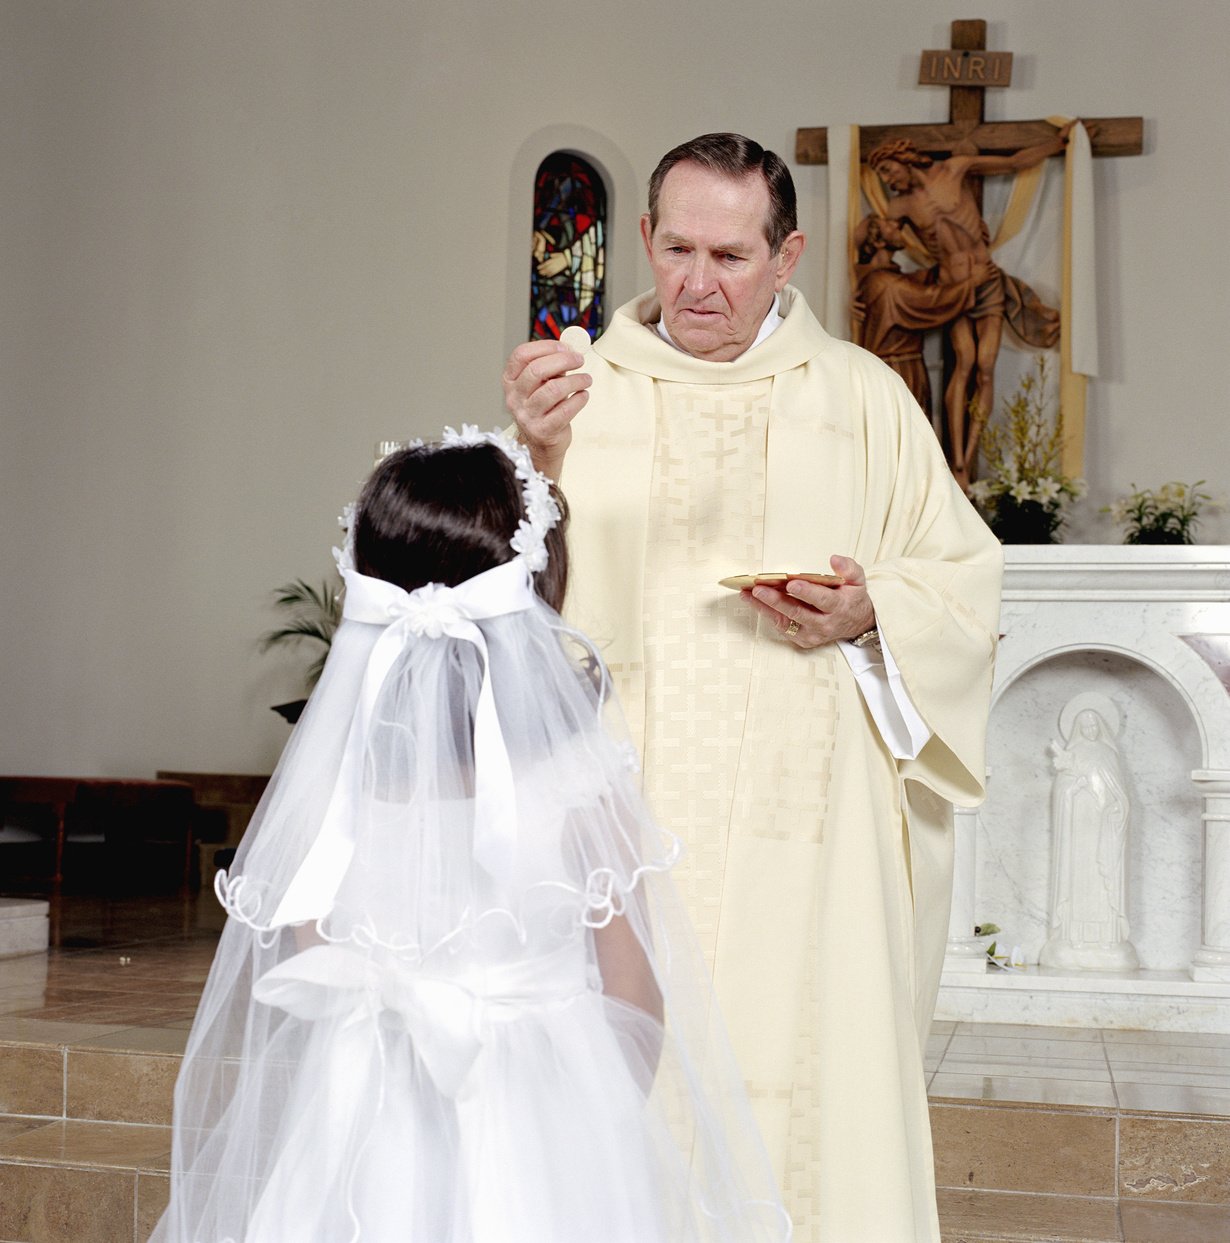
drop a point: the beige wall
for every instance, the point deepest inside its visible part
(231, 229)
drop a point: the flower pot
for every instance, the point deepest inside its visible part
(1025, 522)
(292, 711)
(1157, 535)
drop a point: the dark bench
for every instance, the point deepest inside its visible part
(127, 816)
(225, 803)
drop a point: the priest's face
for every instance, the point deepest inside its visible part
(712, 266)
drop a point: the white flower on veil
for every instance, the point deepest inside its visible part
(430, 611)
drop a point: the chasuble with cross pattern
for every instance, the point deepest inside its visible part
(818, 867)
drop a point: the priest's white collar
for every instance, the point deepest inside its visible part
(631, 341)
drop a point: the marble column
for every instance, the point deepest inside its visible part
(966, 954)
(1212, 960)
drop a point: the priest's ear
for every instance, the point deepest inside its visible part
(647, 235)
(788, 258)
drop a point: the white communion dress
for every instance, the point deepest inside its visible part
(456, 1000)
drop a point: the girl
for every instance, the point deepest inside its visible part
(455, 1001)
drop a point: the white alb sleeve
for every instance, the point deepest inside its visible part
(889, 703)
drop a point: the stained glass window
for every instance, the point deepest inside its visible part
(567, 271)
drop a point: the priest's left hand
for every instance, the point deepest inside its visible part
(824, 614)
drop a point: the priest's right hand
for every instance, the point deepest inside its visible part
(544, 394)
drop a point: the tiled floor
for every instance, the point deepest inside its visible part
(89, 1040)
(1165, 1072)
(127, 974)
(127, 971)
(1041, 1133)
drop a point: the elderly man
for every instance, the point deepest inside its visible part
(716, 429)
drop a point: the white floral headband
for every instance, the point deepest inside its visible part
(541, 509)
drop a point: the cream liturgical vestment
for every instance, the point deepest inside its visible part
(818, 870)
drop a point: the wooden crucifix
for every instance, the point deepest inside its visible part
(960, 152)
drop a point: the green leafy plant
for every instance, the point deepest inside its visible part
(986, 930)
(1024, 490)
(314, 614)
(1165, 515)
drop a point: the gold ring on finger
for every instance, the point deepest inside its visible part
(792, 630)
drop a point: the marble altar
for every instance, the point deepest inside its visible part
(1147, 630)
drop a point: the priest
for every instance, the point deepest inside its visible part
(806, 739)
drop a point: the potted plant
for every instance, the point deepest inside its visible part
(313, 615)
(1165, 515)
(1024, 491)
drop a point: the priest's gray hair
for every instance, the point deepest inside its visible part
(735, 156)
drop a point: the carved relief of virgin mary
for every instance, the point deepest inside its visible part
(1090, 808)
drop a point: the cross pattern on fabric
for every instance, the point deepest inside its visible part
(707, 519)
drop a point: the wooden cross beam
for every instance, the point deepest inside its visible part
(969, 70)
(967, 132)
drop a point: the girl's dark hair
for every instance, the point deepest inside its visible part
(442, 515)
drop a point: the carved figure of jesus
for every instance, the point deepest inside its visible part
(936, 197)
(893, 309)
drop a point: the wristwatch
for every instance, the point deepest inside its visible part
(869, 638)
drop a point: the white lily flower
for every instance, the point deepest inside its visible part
(1048, 490)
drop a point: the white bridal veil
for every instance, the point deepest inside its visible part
(456, 1000)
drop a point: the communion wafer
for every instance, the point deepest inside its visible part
(576, 338)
